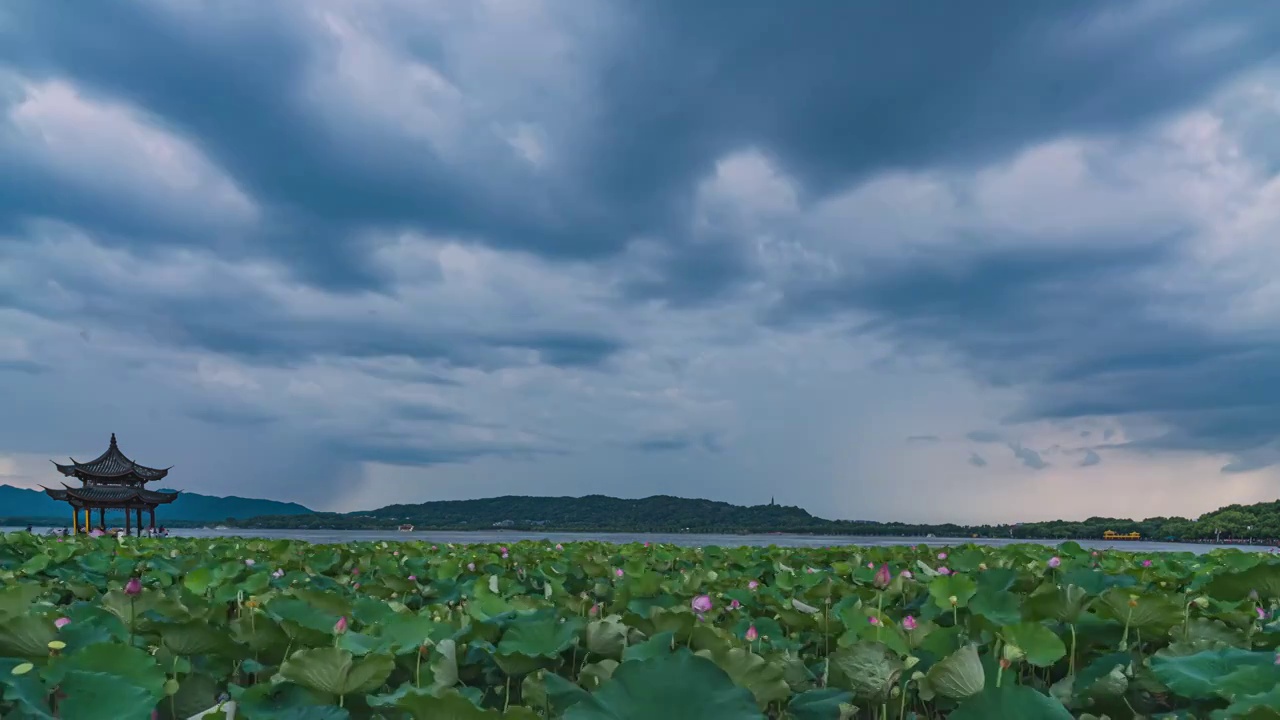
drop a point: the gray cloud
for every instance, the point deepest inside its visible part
(371, 242)
(1029, 457)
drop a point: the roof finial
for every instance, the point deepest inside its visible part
(113, 439)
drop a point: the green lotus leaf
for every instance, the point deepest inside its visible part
(1010, 701)
(658, 645)
(1262, 579)
(551, 691)
(692, 688)
(16, 598)
(198, 580)
(764, 679)
(97, 695)
(958, 675)
(191, 638)
(1095, 583)
(1201, 675)
(26, 636)
(606, 637)
(1062, 603)
(955, 585)
(868, 669)
(1035, 643)
(1001, 607)
(1260, 706)
(127, 665)
(273, 701)
(196, 693)
(535, 643)
(302, 614)
(29, 696)
(593, 675)
(335, 671)
(823, 704)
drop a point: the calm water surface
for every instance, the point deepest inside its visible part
(442, 537)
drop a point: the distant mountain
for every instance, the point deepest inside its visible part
(660, 513)
(190, 507)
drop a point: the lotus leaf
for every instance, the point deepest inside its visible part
(1010, 701)
(692, 688)
(959, 675)
(335, 671)
(1035, 643)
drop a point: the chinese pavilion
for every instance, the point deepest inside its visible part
(111, 482)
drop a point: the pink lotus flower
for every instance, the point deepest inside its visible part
(871, 566)
(355, 586)
(752, 585)
(906, 574)
(559, 546)
(873, 620)
(61, 622)
(909, 623)
(340, 626)
(250, 562)
(1095, 553)
(502, 549)
(504, 556)
(753, 635)
(355, 571)
(942, 556)
(595, 609)
(1146, 563)
(1262, 614)
(471, 567)
(883, 577)
(944, 570)
(396, 553)
(1055, 561)
(413, 578)
(278, 574)
(646, 544)
(734, 604)
(133, 587)
(433, 547)
(618, 572)
(702, 604)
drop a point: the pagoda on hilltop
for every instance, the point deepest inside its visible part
(111, 482)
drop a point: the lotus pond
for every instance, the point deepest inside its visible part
(107, 629)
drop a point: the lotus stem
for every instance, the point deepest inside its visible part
(1071, 662)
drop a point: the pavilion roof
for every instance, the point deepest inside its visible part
(112, 464)
(111, 494)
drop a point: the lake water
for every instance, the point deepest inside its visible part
(692, 540)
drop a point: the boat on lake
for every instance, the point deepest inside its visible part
(406, 528)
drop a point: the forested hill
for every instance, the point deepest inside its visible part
(664, 513)
(660, 513)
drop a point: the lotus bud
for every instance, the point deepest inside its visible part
(953, 600)
(1201, 602)
(917, 676)
(340, 627)
(133, 587)
(883, 577)
(1011, 652)
(910, 662)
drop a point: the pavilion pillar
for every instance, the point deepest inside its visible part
(153, 518)
(127, 529)
(139, 512)
(75, 520)
(102, 519)
(88, 514)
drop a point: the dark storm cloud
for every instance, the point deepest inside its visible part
(1080, 326)
(977, 460)
(834, 95)
(1029, 457)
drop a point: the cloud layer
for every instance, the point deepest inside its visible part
(908, 263)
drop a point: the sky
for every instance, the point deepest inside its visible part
(977, 262)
